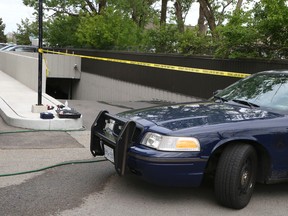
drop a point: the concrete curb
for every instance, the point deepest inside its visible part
(16, 102)
(11, 117)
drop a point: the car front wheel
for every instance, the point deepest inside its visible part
(236, 175)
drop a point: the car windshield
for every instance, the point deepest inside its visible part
(265, 90)
(5, 47)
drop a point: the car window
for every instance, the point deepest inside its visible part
(24, 49)
(266, 90)
(19, 49)
(6, 47)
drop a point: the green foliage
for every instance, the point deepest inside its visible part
(60, 7)
(25, 30)
(167, 39)
(192, 43)
(238, 38)
(109, 30)
(140, 11)
(240, 29)
(258, 33)
(162, 39)
(3, 38)
(61, 32)
(272, 23)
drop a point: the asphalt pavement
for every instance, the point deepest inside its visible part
(95, 188)
(26, 149)
(76, 187)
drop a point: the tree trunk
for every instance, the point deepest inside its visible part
(179, 17)
(239, 4)
(163, 12)
(201, 22)
(91, 6)
(102, 5)
(209, 15)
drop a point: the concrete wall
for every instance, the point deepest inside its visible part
(60, 66)
(22, 68)
(173, 80)
(99, 88)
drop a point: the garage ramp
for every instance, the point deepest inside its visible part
(16, 101)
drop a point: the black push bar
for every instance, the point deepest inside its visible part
(119, 143)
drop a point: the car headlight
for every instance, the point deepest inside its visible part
(170, 143)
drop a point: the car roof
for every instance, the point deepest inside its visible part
(3, 44)
(6, 47)
(21, 46)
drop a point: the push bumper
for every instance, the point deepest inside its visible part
(119, 143)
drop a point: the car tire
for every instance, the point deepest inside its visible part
(236, 175)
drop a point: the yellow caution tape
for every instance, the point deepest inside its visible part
(47, 70)
(162, 66)
(45, 61)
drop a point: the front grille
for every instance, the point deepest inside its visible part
(114, 127)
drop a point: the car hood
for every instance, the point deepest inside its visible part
(180, 116)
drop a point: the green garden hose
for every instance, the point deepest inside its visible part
(48, 167)
(52, 166)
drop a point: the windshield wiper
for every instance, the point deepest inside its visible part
(220, 98)
(251, 105)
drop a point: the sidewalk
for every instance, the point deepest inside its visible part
(16, 102)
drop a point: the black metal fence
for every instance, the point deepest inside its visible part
(191, 84)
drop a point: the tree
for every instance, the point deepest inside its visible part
(179, 15)
(58, 29)
(271, 21)
(260, 32)
(181, 9)
(190, 42)
(201, 23)
(109, 30)
(140, 11)
(25, 30)
(215, 12)
(163, 16)
(102, 5)
(238, 38)
(69, 7)
(239, 4)
(3, 38)
(162, 39)
(226, 28)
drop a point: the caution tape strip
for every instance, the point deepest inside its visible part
(154, 65)
(45, 61)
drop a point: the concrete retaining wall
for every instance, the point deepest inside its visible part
(22, 68)
(60, 66)
(99, 88)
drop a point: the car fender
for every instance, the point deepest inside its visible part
(223, 142)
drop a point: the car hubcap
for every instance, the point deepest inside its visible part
(245, 177)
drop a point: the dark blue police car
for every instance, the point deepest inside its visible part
(239, 137)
